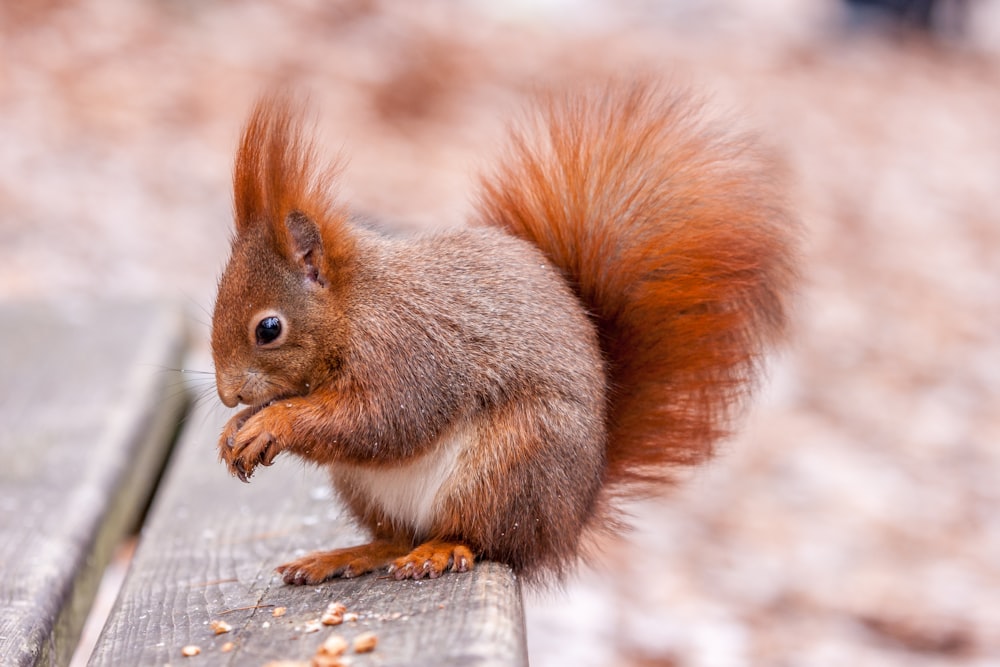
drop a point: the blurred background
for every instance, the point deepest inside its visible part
(856, 519)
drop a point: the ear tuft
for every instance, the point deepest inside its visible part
(279, 188)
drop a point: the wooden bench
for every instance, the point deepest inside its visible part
(88, 407)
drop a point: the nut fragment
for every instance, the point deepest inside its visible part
(220, 627)
(334, 614)
(351, 616)
(227, 647)
(331, 619)
(323, 661)
(278, 612)
(326, 661)
(190, 651)
(334, 646)
(365, 642)
(311, 626)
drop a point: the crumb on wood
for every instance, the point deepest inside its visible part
(190, 651)
(331, 619)
(365, 642)
(334, 614)
(220, 627)
(334, 646)
(327, 661)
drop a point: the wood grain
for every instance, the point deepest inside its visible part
(208, 552)
(88, 407)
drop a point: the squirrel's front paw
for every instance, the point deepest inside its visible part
(228, 436)
(251, 438)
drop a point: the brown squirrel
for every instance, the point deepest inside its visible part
(493, 391)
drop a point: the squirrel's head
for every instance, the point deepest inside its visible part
(278, 322)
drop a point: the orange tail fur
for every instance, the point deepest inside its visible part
(677, 242)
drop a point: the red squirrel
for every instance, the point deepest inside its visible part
(493, 392)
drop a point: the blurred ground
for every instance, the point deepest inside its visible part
(857, 518)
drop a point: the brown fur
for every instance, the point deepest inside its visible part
(518, 384)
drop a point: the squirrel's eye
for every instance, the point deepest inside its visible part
(268, 330)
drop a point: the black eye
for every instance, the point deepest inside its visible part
(268, 330)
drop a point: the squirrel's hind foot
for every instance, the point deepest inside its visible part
(319, 566)
(432, 559)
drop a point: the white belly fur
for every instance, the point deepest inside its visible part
(409, 493)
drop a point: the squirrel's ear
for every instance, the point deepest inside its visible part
(306, 246)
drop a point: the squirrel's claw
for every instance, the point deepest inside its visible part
(248, 443)
(241, 472)
(432, 559)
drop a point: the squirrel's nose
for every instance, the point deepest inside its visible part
(229, 398)
(229, 392)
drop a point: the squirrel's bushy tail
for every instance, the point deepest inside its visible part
(672, 232)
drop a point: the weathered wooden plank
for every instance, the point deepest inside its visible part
(208, 552)
(87, 411)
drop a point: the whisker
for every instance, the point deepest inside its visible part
(174, 369)
(196, 381)
(200, 307)
(208, 409)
